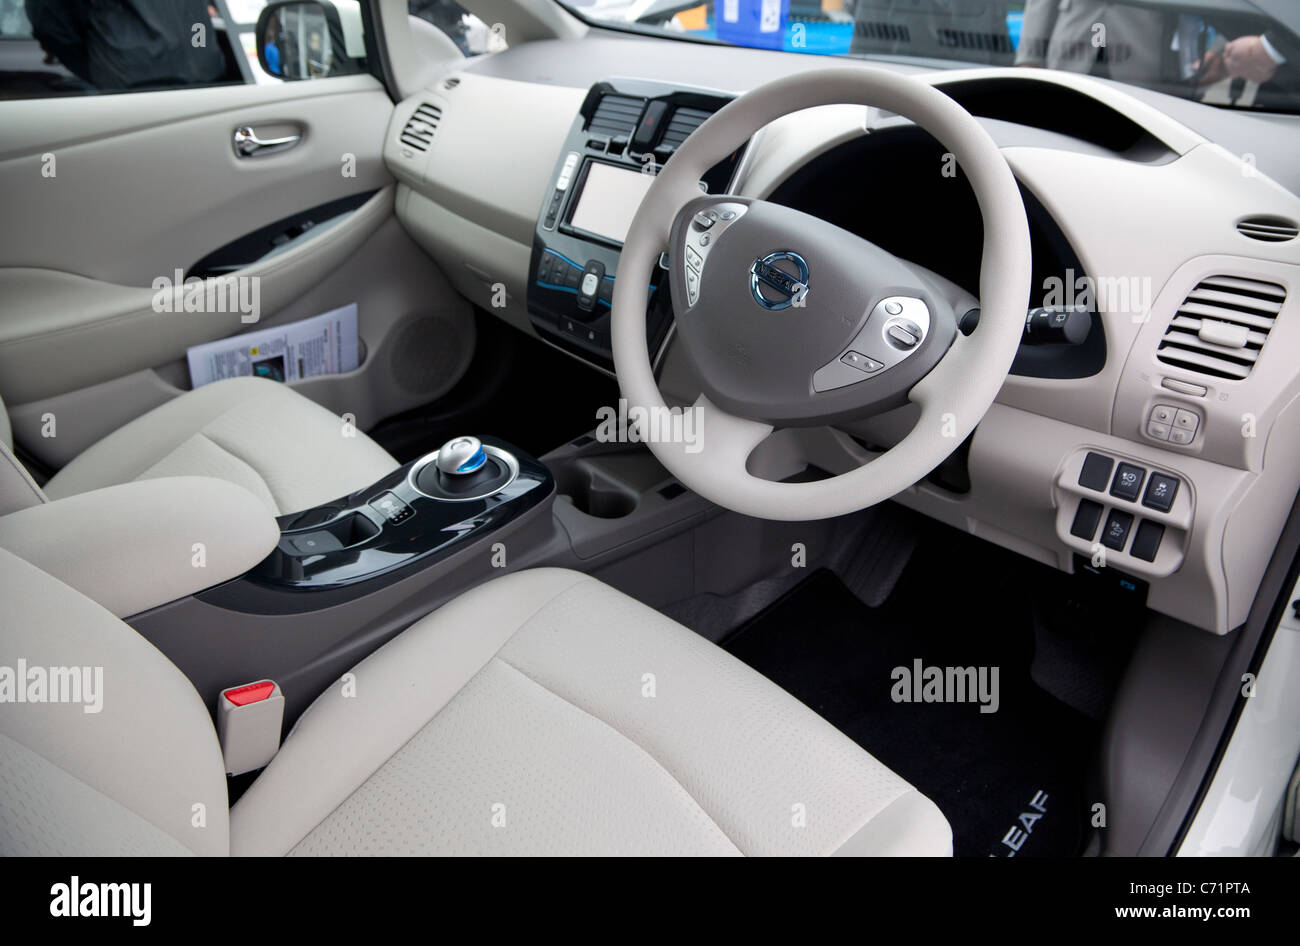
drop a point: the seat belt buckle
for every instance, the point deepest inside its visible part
(249, 718)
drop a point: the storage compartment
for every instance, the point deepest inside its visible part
(610, 494)
(593, 490)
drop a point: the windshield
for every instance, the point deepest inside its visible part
(1237, 53)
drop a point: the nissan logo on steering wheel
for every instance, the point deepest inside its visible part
(779, 287)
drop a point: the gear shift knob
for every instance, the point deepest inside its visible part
(461, 455)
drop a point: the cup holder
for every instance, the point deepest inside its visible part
(592, 492)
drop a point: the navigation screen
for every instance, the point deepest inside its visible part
(609, 200)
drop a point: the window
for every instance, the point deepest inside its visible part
(468, 32)
(1223, 52)
(76, 47)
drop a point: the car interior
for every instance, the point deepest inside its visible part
(588, 427)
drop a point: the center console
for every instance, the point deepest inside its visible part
(423, 511)
(625, 131)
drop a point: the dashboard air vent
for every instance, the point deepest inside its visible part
(894, 33)
(1221, 326)
(1268, 229)
(420, 127)
(683, 122)
(615, 115)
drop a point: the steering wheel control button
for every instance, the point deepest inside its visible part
(1163, 414)
(1096, 472)
(391, 508)
(692, 286)
(1128, 482)
(1186, 420)
(1146, 540)
(860, 361)
(1086, 519)
(1115, 534)
(876, 342)
(902, 334)
(893, 307)
(707, 225)
(1160, 492)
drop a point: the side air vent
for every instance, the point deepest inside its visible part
(1268, 229)
(420, 127)
(616, 115)
(683, 122)
(1221, 326)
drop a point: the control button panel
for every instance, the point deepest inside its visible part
(562, 183)
(1142, 517)
(388, 505)
(701, 236)
(892, 332)
(1173, 424)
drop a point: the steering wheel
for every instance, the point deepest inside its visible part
(790, 321)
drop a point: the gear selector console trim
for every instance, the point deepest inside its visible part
(380, 534)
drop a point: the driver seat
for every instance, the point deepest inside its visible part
(540, 713)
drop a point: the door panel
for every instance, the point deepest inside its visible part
(145, 184)
(417, 332)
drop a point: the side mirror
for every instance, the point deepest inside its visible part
(311, 40)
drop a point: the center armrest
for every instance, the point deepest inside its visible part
(138, 545)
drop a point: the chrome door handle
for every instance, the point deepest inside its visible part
(247, 144)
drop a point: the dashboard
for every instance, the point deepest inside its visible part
(1173, 223)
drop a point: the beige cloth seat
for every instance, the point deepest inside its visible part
(540, 713)
(288, 451)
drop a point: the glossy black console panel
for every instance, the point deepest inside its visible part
(378, 535)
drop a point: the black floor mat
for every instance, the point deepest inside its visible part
(989, 773)
(516, 388)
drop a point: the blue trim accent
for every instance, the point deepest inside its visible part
(473, 463)
(551, 285)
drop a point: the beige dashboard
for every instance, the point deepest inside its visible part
(1156, 234)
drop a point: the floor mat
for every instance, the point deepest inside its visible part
(1010, 782)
